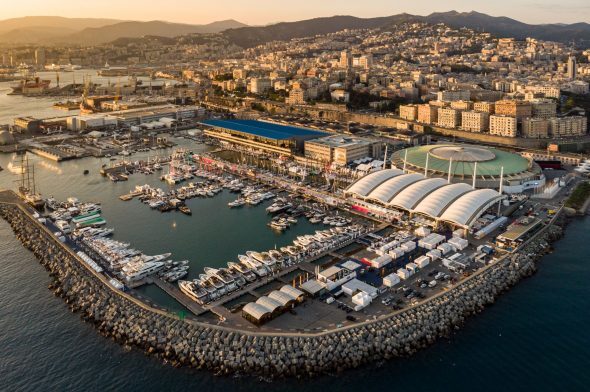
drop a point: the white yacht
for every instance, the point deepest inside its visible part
(243, 270)
(228, 281)
(257, 267)
(263, 258)
(144, 270)
(194, 291)
(157, 257)
(583, 167)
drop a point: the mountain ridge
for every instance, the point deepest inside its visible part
(52, 30)
(500, 26)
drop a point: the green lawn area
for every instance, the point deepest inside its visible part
(579, 196)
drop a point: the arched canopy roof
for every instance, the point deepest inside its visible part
(283, 298)
(435, 203)
(268, 303)
(390, 188)
(414, 193)
(470, 206)
(255, 310)
(291, 291)
(368, 183)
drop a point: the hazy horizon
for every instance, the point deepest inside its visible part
(263, 12)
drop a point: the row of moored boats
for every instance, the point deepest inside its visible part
(215, 283)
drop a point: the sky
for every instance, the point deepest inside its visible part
(260, 12)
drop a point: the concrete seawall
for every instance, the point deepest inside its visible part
(224, 351)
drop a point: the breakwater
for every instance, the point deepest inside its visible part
(186, 342)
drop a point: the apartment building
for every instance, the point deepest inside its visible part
(462, 105)
(513, 108)
(485, 107)
(503, 126)
(449, 118)
(537, 128)
(260, 85)
(473, 121)
(544, 108)
(408, 112)
(568, 126)
(457, 95)
(296, 96)
(427, 114)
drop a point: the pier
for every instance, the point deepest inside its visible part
(178, 295)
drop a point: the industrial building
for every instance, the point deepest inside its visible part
(132, 117)
(266, 136)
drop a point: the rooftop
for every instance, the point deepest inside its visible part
(335, 141)
(264, 129)
(489, 160)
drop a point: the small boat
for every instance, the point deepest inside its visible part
(86, 172)
(185, 210)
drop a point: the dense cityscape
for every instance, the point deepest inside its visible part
(299, 199)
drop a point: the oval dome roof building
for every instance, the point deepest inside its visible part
(462, 161)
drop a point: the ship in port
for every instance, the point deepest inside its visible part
(27, 188)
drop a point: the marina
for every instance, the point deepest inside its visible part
(333, 203)
(325, 266)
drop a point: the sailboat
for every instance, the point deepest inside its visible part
(27, 188)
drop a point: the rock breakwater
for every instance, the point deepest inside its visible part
(224, 351)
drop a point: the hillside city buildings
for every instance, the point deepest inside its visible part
(412, 77)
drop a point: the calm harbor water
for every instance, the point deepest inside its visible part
(536, 336)
(15, 106)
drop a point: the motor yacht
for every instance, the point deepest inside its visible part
(243, 270)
